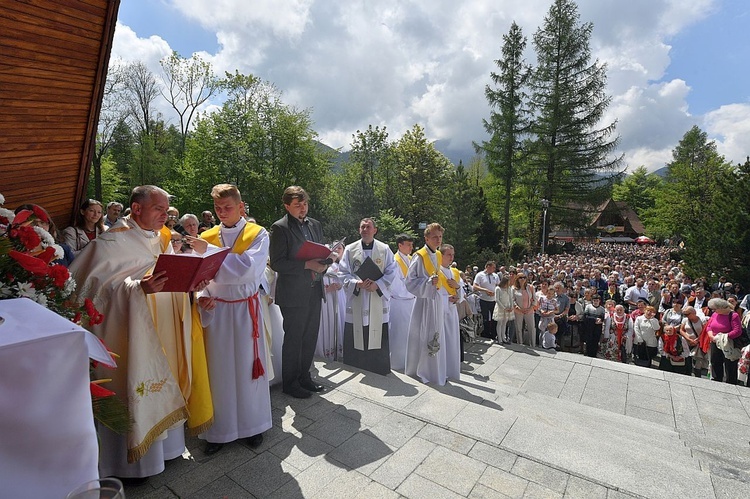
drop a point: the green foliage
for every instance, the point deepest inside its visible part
(390, 226)
(259, 144)
(423, 177)
(698, 206)
(462, 224)
(519, 248)
(113, 186)
(639, 190)
(482, 257)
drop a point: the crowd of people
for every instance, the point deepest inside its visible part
(204, 359)
(625, 303)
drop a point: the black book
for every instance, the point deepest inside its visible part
(368, 270)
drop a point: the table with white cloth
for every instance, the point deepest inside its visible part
(48, 443)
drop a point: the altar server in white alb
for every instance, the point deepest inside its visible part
(426, 351)
(232, 317)
(402, 303)
(330, 343)
(451, 293)
(367, 301)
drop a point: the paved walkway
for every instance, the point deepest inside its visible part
(521, 422)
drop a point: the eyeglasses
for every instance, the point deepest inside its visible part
(178, 241)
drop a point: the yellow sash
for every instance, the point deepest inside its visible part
(200, 405)
(456, 277)
(165, 234)
(242, 243)
(402, 264)
(442, 280)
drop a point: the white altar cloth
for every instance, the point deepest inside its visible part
(48, 443)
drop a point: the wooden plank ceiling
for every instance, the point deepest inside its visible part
(53, 62)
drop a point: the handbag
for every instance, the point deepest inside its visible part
(743, 339)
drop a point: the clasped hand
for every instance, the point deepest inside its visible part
(368, 285)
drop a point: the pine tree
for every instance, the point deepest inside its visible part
(509, 117)
(571, 150)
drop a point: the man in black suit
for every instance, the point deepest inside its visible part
(299, 291)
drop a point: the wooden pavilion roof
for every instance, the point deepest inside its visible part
(54, 62)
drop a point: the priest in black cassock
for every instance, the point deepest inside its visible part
(367, 284)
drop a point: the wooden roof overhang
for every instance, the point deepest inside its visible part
(53, 62)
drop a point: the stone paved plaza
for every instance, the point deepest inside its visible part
(521, 422)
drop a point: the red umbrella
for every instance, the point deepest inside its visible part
(644, 240)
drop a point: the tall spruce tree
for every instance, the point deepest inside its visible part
(572, 150)
(509, 117)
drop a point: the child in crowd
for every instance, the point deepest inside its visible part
(548, 337)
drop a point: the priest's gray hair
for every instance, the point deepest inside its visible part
(144, 192)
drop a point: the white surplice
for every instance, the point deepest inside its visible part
(426, 320)
(330, 343)
(452, 340)
(242, 405)
(402, 303)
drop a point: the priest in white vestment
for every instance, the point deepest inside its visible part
(402, 303)
(426, 352)
(232, 317)
(367, 301)
(451, 295)
(149, 330)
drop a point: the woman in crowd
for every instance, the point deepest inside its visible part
(503, 312)
(724, 325)
(88, 225)
(646, 329)
(189, 224)
(674, 351)
(524, 302)
(673, 316)
(613, 293)
(177, 241)
(690, 329)
(618, 330)
(593, 320)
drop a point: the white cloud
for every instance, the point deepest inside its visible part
(127, 46)
(397, 62)
(730, 125)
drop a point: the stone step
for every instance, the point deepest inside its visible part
(601, 424)
(722, 452)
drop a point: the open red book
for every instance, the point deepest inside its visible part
(313, 251)
(185, 271)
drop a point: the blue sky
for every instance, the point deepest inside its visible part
(671, 63)
(713, 57)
